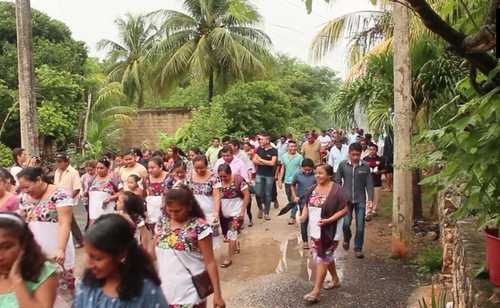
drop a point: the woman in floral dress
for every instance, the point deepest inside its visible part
(183, 247)
(205, 186)
(103, 191)
(326, 205)
(48, 211)
(235, 196)
(155, 186)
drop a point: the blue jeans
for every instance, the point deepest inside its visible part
(264, 192)
(359, 210)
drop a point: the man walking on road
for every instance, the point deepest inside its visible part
(265, 160)
(355, 176)
(212, 153)
(338, 153)
(311, 149)
(291, 163)
(68, 178)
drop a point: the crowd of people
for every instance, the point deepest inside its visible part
(154, 218)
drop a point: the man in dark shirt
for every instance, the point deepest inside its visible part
(265, 160)
(354, 175)
(376, 164)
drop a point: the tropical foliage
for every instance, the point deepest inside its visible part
(213, 39)
(128, 57)
(59, 66)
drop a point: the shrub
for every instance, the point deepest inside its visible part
(5, 156)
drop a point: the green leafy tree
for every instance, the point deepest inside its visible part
(129, 55)
(214, 39)
(206, 123)
(256, 106)
(59, 65)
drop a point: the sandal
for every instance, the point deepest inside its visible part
(237, 249)
(311, 299)
(250, 224)
(328, 285)
(226, 264)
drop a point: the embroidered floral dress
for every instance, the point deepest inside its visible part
(316, 200)
(99, 190)
(204, 194)
(231, 204)
(42, 218)
(154, 199)
(177, 249)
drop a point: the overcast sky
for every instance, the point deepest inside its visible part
(285, 21)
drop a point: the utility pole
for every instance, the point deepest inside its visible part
(27, 101)
(403, 195)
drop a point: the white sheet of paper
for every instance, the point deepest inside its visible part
(314, 217)
(96, 199)
(339, 233)
(154, 205)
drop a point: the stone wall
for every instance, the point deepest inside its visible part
(147, 124)
(464, 254)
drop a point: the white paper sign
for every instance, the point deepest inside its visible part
(96, 200)
(154, 206)
(339, 233)
(314, 217)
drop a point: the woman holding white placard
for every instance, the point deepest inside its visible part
(103, 191)
(326, 205)
(155, 187)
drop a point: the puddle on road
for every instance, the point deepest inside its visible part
(298, 261)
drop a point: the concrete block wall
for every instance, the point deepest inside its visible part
(147, 124)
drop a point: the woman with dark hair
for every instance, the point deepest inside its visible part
(28, 279)
(131, 206)
(235, 196)
(119, 272)
(183, 241)
(48, 210)
(192, 153)
(103, 191)
(205, 186)
(155, 185)
(325, 207)
(177, 176)
(20, 160)
(9, 202)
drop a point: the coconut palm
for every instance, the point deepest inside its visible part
(108, 115)
(136, 37)
(215, 40)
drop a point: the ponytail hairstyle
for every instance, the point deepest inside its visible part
(136, 178)
(184, 196)
(134, 206)
(113, 235)
(33, 259)
(226, 168)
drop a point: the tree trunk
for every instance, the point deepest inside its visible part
(27, 101)
(417, 196)
(481, 60)
(210, 86)
(86, 121)
(403, 195)
(140, 104)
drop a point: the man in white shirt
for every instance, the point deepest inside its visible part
(238, 167)
(324, 139)
(68, 178)
(338, 153)
(353, 137)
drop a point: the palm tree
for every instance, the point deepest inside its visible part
(129, 55)
(215, 40)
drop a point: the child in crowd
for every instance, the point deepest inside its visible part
(133, 184)
(131, 206)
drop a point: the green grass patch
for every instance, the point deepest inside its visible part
(429, 260)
